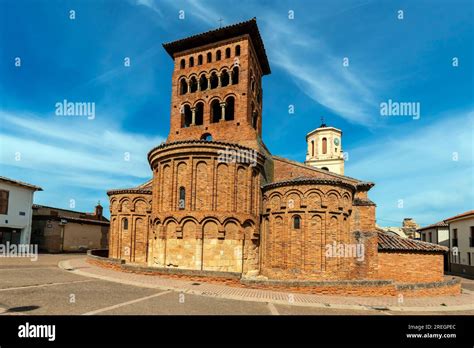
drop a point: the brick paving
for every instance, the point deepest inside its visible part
(464, 302)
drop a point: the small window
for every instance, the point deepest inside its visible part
(430, 237)
(325, 168)
(325, 146)
(191, 62)
(209, 57)
(206, 137)
(200, 59)
(296, 223)
(182, 64)
(182, 198)
(125, 224)
(4, 202)
(237, 50)
(227, 52)
(218, 55)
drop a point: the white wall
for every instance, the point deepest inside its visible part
(464, 227)
(20, 199)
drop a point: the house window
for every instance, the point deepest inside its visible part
(237, 50)
(430, 237)
(471, 238)
(469, 259)
(296, 222)
(455, 237)
(4, 202)
(125, 224)
(182, 198)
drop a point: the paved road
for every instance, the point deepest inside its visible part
(41, 288)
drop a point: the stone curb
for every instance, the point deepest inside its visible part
(65, 265)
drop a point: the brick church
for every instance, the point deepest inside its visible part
(252, 214)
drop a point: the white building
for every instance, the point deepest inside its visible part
(16, 202)
(461, 236)
(437, 233)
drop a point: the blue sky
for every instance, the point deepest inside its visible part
(406, 60)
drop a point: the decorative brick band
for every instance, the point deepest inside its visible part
(309, 181)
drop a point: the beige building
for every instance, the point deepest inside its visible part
(16, 199)
(325, 149)
(461, 243)
(61, 230)
(437, 233)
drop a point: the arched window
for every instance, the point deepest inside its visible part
(191, 62)
(214, 80)
(255, 119)
(235, 75)
(325, 168)
(215, 111)
(193, 85)
(224, 78)
(296, 222)
(200, 59)
(237, 50)
(199, 114)
(312, 148)
(182, 198)
(218, 55)
(206, 137)
(209, 57)
(182, 64)
(183, 86)
(125, 224)
(203, 82)
(325, 146)
(186, 116)
(227, 52)
(229, 108)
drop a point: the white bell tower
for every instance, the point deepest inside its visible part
(325, 149)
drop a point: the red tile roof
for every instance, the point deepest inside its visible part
(248, 27)
(466, 214)
(437, 224)
(388, 242)
(20, 183)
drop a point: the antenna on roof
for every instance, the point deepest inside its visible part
(220, 22)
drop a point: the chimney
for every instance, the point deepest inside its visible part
(98, 211)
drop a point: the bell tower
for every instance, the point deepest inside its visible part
(325, 149)
(217, 86)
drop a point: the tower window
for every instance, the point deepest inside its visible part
(193, 85)
(183, 86)
(200, 59)
(325, 168)
(227, 52)
(235, 75)
(186, 116)
(209, 57)
(191, 62)
(203, 82)
(296, 222)
(199, 113)
(312, 148)
(182, 64)
(215, 111)
(325, 145)
(206, 137)
(125, 224)
(229, 108)
(218, 55)
(224, 78)
(237, 50)
(182, 198)
(214, 80)
(255, 119)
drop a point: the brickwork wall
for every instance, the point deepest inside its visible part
(408, 267)
(215, 225)
(129, 243)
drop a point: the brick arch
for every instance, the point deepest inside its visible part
(296, 196)
(314, 198)
(122, 202)
(200, 100)
(210, 218)
(135, 202)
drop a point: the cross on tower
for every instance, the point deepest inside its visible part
(322, 122)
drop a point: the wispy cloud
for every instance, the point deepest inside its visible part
(73, 152)
(428, 170)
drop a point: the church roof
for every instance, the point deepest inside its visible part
(248, 27)
(144, 188)
(389, 242)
